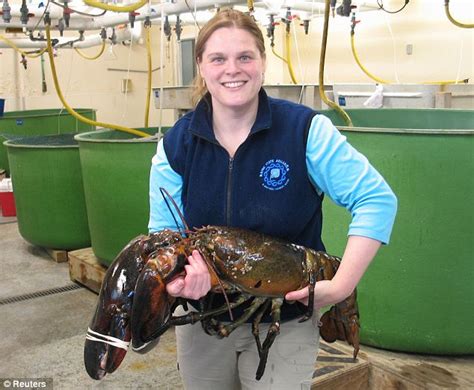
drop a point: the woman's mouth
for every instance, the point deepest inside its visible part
(233, 84)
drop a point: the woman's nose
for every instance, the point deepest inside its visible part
(232, 66)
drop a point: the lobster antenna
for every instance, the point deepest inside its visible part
(211, 266)
(166, 195)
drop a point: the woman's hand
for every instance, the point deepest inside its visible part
(357, 256)
(197, 281)
(325, 293)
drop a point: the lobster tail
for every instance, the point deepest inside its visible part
(341, 322)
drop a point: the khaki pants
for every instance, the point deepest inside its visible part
(208, 363)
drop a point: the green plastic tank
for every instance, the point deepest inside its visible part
(418, 294)
(17, 124)
(116, 169)
(47, 186)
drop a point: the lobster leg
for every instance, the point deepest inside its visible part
(273, 331)
(206, 316)
(226, 330)
(255, 326)
(311, 258)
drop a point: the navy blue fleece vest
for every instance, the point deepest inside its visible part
(265, 187)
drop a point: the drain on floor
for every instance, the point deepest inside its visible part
(39, 294)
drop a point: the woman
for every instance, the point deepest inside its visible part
(244, 159)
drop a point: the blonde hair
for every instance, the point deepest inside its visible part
(223, 18)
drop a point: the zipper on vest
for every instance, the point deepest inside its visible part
(229, 191)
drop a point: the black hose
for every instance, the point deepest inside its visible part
(380, 4)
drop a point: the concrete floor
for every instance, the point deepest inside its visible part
(43, 337)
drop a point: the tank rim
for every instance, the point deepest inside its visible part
(83, 137)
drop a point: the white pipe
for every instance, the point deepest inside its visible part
(310, 6)
(187, 18)
(124, 34)
(84, 23)
(110, 19)
(55, 11)
(182, 6)
(81, 24)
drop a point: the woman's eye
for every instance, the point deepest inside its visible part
(217, 59)
(245, 58)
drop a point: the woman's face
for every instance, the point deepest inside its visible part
(232, 68)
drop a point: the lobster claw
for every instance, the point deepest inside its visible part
(109, 334)
(152, 305)
(95, 359)
(104, 351)
(151, 308)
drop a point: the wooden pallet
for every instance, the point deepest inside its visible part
(85, 268)
(58, 255)
(337, 369)
(391, 370)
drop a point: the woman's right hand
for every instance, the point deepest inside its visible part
(197, 281)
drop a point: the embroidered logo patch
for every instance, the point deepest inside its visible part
(274, 174)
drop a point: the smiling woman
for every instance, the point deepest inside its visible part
(244, 159)
(233, 75)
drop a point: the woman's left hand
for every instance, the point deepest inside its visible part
(357, 256)
(325, 293)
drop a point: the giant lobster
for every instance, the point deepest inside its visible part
(135, 307)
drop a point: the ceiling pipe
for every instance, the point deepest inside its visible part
(111, 19)
(80, 22)
(70, 42)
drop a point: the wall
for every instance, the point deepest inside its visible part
(441, 51)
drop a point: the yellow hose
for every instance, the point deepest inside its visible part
(381, 81)
(116, 8)
(250, 5)
(92, 57)
(356, 57)
(148, 92)
(69, 109)
(288, 58)
(454, 21)
(278, 55)
(13, 46)
(322, 58)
